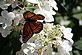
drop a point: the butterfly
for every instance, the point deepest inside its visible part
(31, 25)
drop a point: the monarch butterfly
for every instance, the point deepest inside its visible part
(32, 25)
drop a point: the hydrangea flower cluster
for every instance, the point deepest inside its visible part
(7, 18)
(52, 40)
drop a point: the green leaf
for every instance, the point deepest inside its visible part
(78, 44)
(11, 44)
(76, 52)
(14, 38)
(14, 35)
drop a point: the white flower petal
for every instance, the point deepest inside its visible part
(20, 53)
(48, 26)
(1, 29)
(6, 31)
(10, 15)
(67, 32)
(3, 5)
(47, 50)
(47, 14)
(53, 4)
(5, 25)
(62, 51)
(18, 18)
(7, 17)
(66, 45)
(4, 13)
(52, 12)
(8, 22)
(53, 53)
(25, 51)
(1, 19)
(38, 44)
(33, 1)
(31, 44)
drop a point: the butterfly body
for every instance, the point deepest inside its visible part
(31, 26)
(29, 20)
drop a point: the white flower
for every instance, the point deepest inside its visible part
(18, 19)
(53, 4)
(7, 17)
(42, 42)
(65, 45)
(62, 51)
(47, 14)
(5, 31)
(48, 26)
(45, 8)
(33, 1)
(6, 21)
(43, 3)
(67, 33)
(3, 5)
(47, 50)
(64, 48)
(20, 53)
(31, 48)
(80, 22)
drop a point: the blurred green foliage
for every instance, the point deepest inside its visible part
(11, 44)
(71, 10)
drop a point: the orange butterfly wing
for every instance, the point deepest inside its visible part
(31, 26)
(37, 17)
(27, 32)
(36, 27)
(28, 15)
